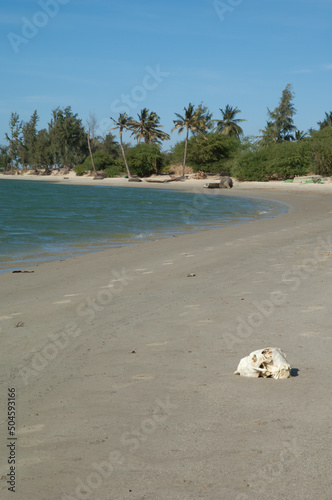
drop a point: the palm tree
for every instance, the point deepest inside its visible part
(228, 125)
(190, 122)
(155, 135)
(300, 135)
(90, 151)
(124, 122)
(327, 122)
(147, 128)
(204, 118)
(139, 127)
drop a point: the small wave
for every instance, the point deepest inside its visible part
(142, 235)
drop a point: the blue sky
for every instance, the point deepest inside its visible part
(107, 56)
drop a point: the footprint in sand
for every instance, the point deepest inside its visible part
(117, 387)
(313, 308)
(73, 294)
(192, 307)
(28, 442)
(155, 344)
(31, 428)
(144, 376)
(309, 334)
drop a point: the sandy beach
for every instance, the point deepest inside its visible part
(122, 362)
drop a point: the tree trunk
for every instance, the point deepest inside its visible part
(185, 156)
(92, 161)
(124, 157)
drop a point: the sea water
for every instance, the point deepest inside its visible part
(42, 221)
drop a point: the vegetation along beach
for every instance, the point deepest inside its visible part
(165, 242)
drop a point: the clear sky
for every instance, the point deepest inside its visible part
(108, 56)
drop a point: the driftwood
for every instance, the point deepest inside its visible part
(100, 176)
(174, 179)
(164, 181)
(155, 181)
(134, 179)
(23, 271)
(212, 185)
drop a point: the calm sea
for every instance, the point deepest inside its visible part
(42, 221)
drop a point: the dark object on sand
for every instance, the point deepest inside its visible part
(172, 179)
(226, 183)
(100, 176)
(23, 271)
(134, 179)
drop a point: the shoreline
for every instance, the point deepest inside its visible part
(123, 363)
(190, 184)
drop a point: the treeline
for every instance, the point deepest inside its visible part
(66, 144)
(215, 146)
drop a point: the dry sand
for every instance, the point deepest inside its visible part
(123, 363)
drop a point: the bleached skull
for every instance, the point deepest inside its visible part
(267, 362)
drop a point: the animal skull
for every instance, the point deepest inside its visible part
(268, 362)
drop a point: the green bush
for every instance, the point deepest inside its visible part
(250, 166)
(321, 151)
(211, 153)
(81, 169)
(145, 159)
(101, 160)
(114, 171)
(288, 159)
(281, 161)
